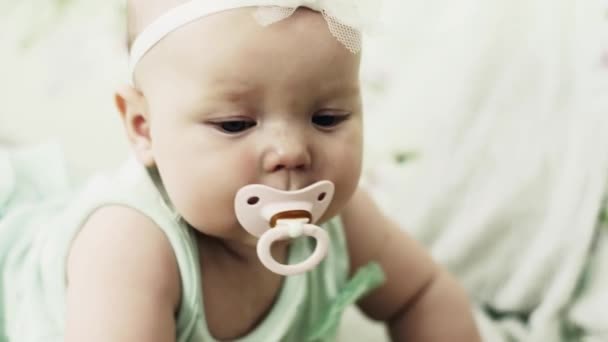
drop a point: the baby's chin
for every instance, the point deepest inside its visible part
(233, 234)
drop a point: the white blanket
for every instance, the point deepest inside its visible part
(506, 104)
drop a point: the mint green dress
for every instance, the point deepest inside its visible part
(40, 216)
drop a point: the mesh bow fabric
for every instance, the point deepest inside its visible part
(345, 19)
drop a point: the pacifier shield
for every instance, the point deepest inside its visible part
(256, 204)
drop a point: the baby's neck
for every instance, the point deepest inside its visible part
(236, 254)
(238, 291)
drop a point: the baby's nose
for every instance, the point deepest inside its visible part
(290, 153)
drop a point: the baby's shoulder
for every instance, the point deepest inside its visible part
(122, 279)
(118, 244)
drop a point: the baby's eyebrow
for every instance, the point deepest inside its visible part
(234, 91)
(340, 91)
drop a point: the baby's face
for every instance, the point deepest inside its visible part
(232, 103)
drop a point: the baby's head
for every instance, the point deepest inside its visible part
(223, 101)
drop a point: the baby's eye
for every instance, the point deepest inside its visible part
(328, 120)
(234, 126)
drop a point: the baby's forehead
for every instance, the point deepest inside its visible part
(233, 54)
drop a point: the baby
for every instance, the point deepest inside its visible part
(234, 93)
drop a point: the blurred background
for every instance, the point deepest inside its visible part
(486, 127)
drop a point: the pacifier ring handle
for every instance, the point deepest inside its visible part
(281, 232)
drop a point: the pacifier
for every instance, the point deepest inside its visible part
(274, 215)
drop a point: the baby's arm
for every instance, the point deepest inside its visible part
(420, 301)
(123, 281)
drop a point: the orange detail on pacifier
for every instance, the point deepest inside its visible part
(291, 214)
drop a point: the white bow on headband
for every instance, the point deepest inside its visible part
(345, 18)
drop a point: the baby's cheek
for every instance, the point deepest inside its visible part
(345, 169)
(246, 164)
(346, 162)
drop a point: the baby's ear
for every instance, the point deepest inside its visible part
(133, 111)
